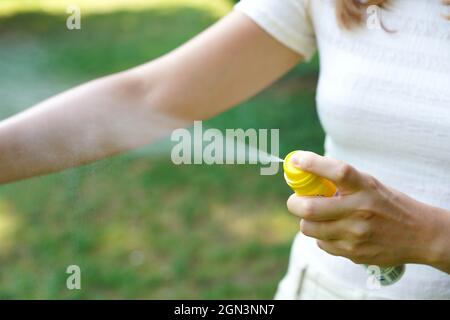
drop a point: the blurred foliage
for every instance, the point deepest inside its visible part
(138, 226)
(12, 7)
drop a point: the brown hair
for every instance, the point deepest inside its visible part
(350, 13)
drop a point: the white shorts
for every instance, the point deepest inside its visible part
(304, 281)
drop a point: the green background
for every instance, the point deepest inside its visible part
(137, 225)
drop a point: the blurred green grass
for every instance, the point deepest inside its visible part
(139, 226)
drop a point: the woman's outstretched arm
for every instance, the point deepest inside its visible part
(228, 63)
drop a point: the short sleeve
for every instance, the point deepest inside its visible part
(288, 21)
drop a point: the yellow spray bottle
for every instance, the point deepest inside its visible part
(304, 183)
(307, 184)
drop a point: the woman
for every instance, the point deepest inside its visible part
(383, 100)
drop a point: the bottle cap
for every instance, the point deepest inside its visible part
(305, 183)
(293, 174)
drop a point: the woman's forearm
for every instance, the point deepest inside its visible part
(439, 253)
(431, 244)
(90, 122)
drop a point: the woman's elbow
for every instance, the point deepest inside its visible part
(163, 94)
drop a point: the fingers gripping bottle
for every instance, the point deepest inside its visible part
(307, 184)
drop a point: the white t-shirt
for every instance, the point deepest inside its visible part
(383, 100)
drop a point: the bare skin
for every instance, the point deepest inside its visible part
(228, 63)
(369, 222)
(225, 65)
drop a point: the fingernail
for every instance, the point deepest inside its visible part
(296, 160)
